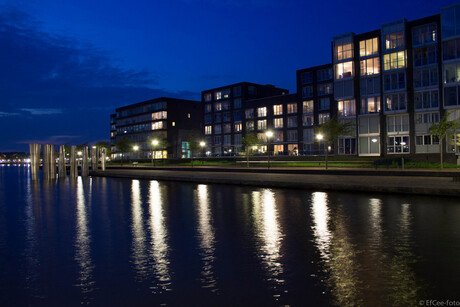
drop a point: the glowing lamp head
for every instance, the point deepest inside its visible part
(269, 134)
(319, 136)
(155, 142)
(202, 144)
(136, 148)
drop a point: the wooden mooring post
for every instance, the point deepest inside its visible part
(84, 162)
(103, 153)
(73, 162)
(94, 160)
(62, 164)
(35, 159)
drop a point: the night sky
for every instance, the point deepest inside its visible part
(66, 65)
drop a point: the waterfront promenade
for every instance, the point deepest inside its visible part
(420, 182)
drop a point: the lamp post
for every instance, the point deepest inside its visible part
(268, 134)
(154, 144)
(320, 137)
(136, 148)
(202, 144)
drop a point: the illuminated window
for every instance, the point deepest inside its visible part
(370, 66)
(394, 40)
(278, 109)
(394, 60)
(278, 122)
(208, 97)
(262, 124)
(262, 112)
(347, 108)
(344, 70)
(218, 106)
(238, 127)
(218, 95)
(278, 136)
(158, 125)
(368, 47)
(398, 144)
(207, 130)
(292, 108)
(370, 105)
(424, 34)
(250, 125)
(307, 120)
(343, 49)
(188, 115)
(323, 117)
(308, 106)
(451, 73)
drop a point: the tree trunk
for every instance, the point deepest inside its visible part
(441, 150)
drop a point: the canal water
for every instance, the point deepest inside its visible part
(115, 242)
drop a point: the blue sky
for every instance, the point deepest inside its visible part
(66, 65)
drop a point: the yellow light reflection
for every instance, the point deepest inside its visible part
(159, 244)
(375, 219)
(206, 238)
(269, 233)
(138, 232)
(83, 242)
(320, 214)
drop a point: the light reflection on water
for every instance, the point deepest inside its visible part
(270, 236)
(139, 254)
(83, 245)
(207, 239)
(159, 243)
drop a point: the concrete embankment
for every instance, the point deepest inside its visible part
(405, 182)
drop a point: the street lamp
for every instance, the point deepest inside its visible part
(268, 134)
(154, 144)
(136, 148)
(202, 144)
(320, 137)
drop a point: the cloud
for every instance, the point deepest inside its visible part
(42, 111)
(5, 114)
(54, 139)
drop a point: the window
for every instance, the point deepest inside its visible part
(426, 100)
(394, 81)
(395, 102)
(238, 127)
(306, 77)
(207, 130)
(370, 66)
(307, 91)
(309, 135)
(394, 60)
(426, 77)
(227, 128)
(324, 89)
(226, 105)
(344, 70)
(368, 47)
(427, 139)
(343, 89)
(262, 124)
(394, 40)
(252, 90)
(308, 106)
(292, 108)
(451, 73)
(278, 136)
(218, 106)
(292, 121)
(160, 115)
(237, 116)
(278, 122)
(278, 109)
(250, 125)
(226, 93)
(292, 135)
(262, 112)
(208, 97)
(370, 86)
(451, 96)
(217, 140)
(228, 139)
(369, 125)
(343, 49)
(324, 74)
(451, 49)
(237, 92)
(217, 129)
(218, 117)
(369, 145)
(208, 119)
(217, 95)
(398, 123)
(425, 56)
(424, 34)
(427, 118)
(324, 104)
(249, 113)
(323, 117)
(307, 120)
(237, 103)
(347, 146)
(398, 144)
(347, 107)
(227, 116)
(158, 125)
(237, 139)
(207, 108)
(370, 105)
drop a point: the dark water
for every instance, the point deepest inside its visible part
(116, 242)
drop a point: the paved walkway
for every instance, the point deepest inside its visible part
(371, 181)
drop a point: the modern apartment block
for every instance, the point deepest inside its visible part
(227, 116)
(169, 121)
